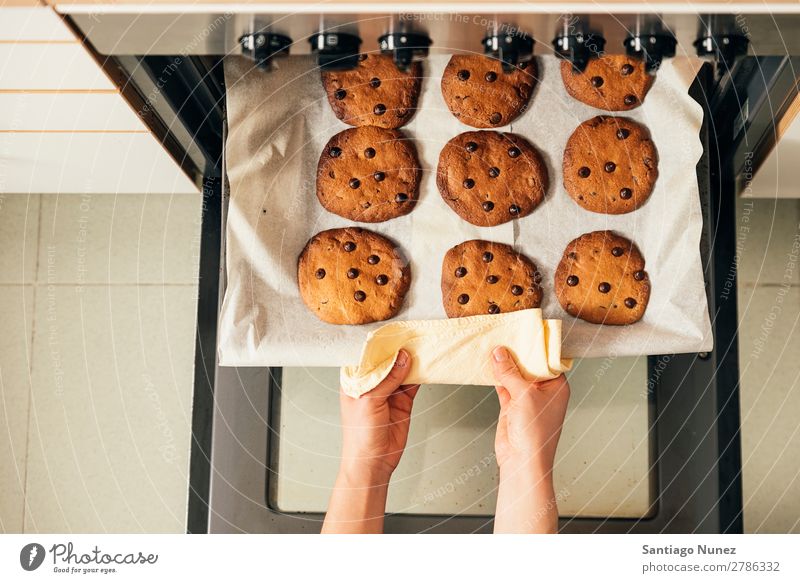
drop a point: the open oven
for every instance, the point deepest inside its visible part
(248, 472)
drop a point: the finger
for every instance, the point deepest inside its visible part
(506, 372)
(397, 374)
(410, 390)
(502, 396)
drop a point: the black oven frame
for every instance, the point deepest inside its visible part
(695, 399)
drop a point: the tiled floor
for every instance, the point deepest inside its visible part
(96, 361)
(769, 345)
(97, 310)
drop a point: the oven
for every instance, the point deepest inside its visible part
(258, 466)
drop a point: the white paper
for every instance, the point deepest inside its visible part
(279, 122)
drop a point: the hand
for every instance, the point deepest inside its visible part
(375, 426)
(374, 434)
(528, 429)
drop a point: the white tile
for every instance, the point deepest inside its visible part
(67, 112)
(32, 24)
(19, 237)
(50, 66)
(110, 428)
(769, 241)
(602, 467)
(769, 343)
(113, 239)
(127, 163)
(16, 319)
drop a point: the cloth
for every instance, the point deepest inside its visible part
(458, 350)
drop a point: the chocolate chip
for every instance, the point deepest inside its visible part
(400, 197)
(495, 118)
(625, 193)
(382, 279)
(369, 153)
(494, 309)
(374, 82)
(471, 147)
(352, 273)
(335, 152)
(597, 81)
(320, 273)
(623, 133)
(627, 69)
(468, 183)
(514, 209)
(617, 251)
(572, 280)
(516, 290)
(379, 109)
(463, 75)
(340, 94)
(523, 65)
(487, 205)
(463, 299)
(491, 76)
(362, 57)
(513, 151)
(639, 275)
(492, 279)
(584, 172)
(373, 260)
(494, 171)
(354, 183)
(630, 99)
(461, 271)
(604, 287)
(360, 296)
(349, 246)
(572, 255)
(610, 167)
(630, 303)
(379, 176)
(487, 256)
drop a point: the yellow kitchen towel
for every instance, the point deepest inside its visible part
(457, 351)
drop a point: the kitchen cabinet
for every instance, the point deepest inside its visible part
(64, 127)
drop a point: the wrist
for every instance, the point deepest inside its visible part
(360, 474)
(527, 468)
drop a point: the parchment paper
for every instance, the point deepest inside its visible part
(279, 122)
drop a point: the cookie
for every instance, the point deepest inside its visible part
(480, 277)
(610, 165)
(601, 279)
(610, 82)
(352, 276)
(480, 94)
(489, 178)
(375, 93)
(368, 174)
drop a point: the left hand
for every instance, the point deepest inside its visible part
(375, 426)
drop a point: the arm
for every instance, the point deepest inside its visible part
(374, 434)
(528, 429)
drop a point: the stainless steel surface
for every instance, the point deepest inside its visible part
(204, 33)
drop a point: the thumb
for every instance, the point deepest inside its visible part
(506, 372)
(397, 374)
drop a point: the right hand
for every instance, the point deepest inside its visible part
(531, 414)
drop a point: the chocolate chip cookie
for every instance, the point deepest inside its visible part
(610, 82)
(480, 277)
(610, 165)
(480, 94)
(368, 174)
(375, 93)
(489, 178)
(601, 279)
(352, 276)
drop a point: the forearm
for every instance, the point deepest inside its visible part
(526, 500)
(358, 502)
